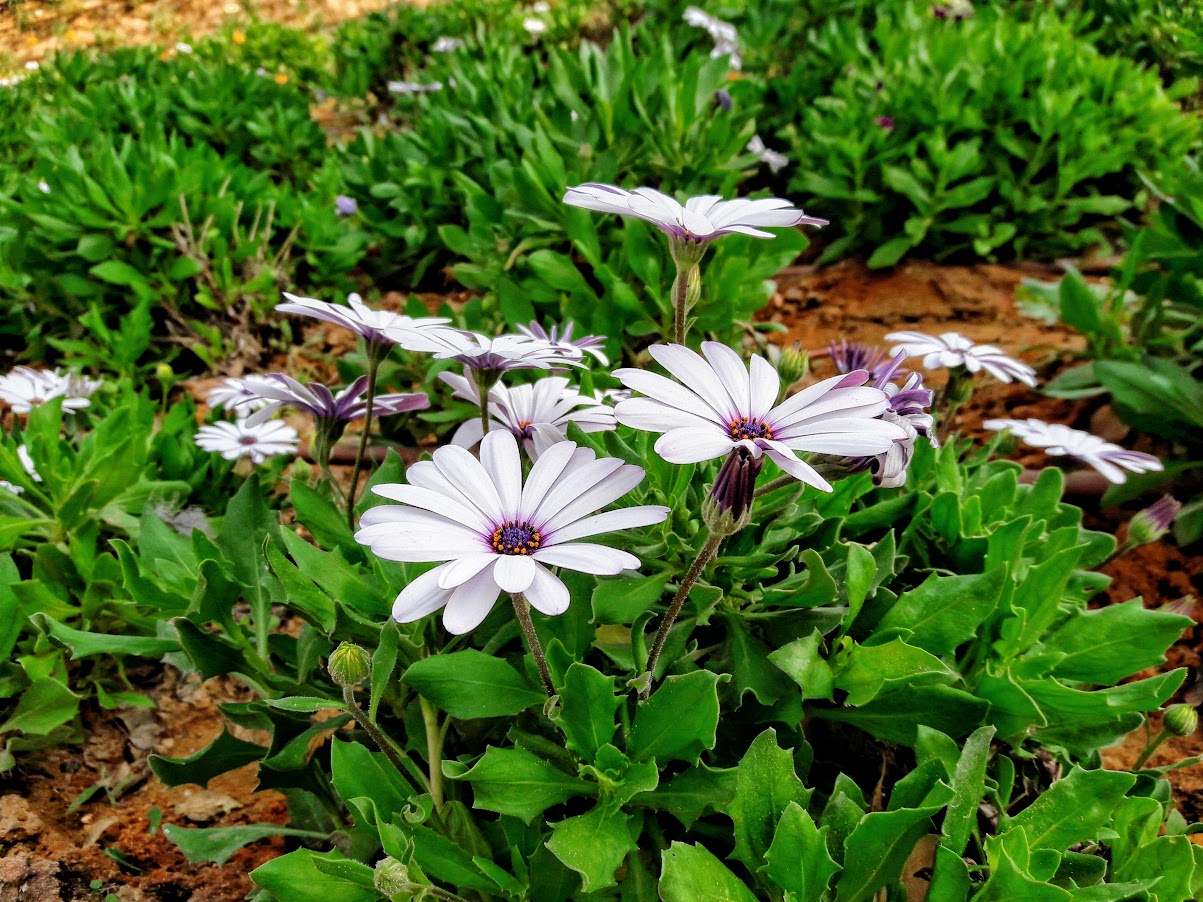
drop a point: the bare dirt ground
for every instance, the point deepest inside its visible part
(32, 29)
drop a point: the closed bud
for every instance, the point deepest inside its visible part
(1154, 521)
(300, 470)
(349, 665)
(164, 372)
(693, 288)
(391, 877)
(728, 507)
(1180, 720)
(792, 364)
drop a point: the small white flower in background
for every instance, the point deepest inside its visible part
(237, 439)
(447, 45)
(563, 340)
(479, 352)
(952, 349)
(726, 38)
(771, 158)
(719, 407)
(534, 26)
(281, 390)
(908, 410)
(43, 186)
(540, 8)
(700, 219)
(496, 534)
(12, 81)
(32, 65)
(25, 388)
(181, 47)
(1109, 459)
(413, 87)
(538, 414)
(237, 395)
(27, 463)
(370, 325)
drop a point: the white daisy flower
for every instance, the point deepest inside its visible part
(369, 324)
(412, 87)
(771, 158)
(1109, 459)
(27, 463)
(447, 45)
(479, 352)
(497, 535)
(534, 25)
(953, 350)
(589, 344)
(719, 407)
(538, 413)
(25, 388)
(726, 38)
(281, 390)
(236, 395)
(700, 220)
(237, 439)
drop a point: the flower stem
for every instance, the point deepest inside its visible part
(434, 750)
(773, 484)
(484, 389)
(709, 550)
(522, 609)
(382, 742)
(374, 359)
(680, 304)
(1151, 748)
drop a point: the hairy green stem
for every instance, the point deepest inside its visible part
(374, 359)
(522, 610)
(484, 389)
(382, 742)
(709, 550)
(1151, 748)
(434, 751)
(680, 304)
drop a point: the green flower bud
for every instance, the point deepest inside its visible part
(792, 364)
(300, 470)
(391, 877)
(349, 665)
(1180, 720)
(1154, 521)
(164, 372)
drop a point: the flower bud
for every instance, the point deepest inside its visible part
(164, 372)
(793, 363)
(391, 877)
(728, 507)
(349, 665)
(693, 288)
(1180, 720)
(300, 470)
(1153, 522)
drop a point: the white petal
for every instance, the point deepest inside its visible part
(429, 500)
(701, 377)
(586, 557)
(603, 492)
(470, 604)
(500, 458)
(465, 471)
(468, 433)
(543, 476)
(732, 373)
(798, 469)
(457, 572)
(764, 387)
(655, 416)
(513, 572)
(676, 395)
(581, 474)
(847, 436)
(420, 597)
(609, 521)
(693, 444)
(547, 594)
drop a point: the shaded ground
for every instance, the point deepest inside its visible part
(32, 29)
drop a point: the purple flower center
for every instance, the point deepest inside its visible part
(516, 537)
(749, 429)
(248, 440)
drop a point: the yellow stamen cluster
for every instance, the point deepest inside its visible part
(747, 428)
(513, 537)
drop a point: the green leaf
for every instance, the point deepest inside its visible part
(1072, 810)
(218, 844)
(44, 706)
(798, 859)
(806, 666)
(520, 783)
(117, 273)
(692, 793)
(222, 755)
(945, 611)
(896, 717)
(891, 252)
(765, 785)
(877, 848)
(867, 671)
(587, 708)
(83, 644)
(679, 721)
(1114, 642)
(594, 845)
(469, 684)
(968, 782)
(298, 878)
(623, 599)
(692, 874)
